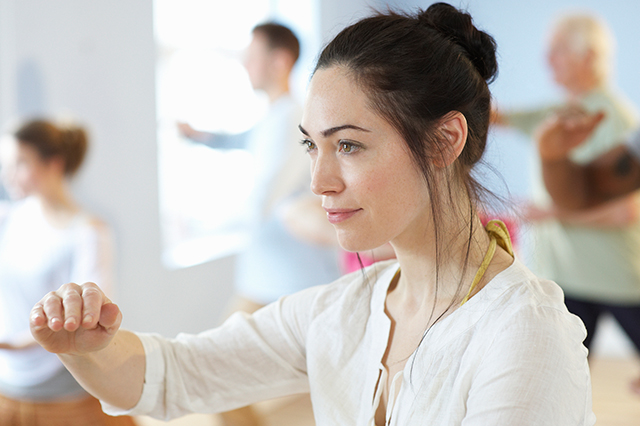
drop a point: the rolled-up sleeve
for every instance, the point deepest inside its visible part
(248, 359)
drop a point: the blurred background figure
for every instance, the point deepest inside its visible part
(278, 259)
(592, 253)
(45, 238)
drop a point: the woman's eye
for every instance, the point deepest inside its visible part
(308, 144)
(347, 147)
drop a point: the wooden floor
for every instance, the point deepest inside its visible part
(613, 403)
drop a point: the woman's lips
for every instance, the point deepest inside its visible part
(339, 215)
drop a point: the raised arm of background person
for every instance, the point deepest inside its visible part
(617, 213)
(186, 130)
(614, 174)
(304, 217)
(524, 121)
(575, 186)
(214, 140)
(81, 325)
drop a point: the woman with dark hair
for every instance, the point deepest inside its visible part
(456, 331)
(45, 237)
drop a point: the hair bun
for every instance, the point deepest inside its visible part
(458, 27)
(74, 145)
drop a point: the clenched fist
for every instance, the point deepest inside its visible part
(75, 320)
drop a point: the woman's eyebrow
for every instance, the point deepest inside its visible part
(304, 132)
(332, 130)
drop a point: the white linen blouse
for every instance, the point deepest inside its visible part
(512, 355)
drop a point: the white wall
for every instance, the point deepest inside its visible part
(337, 14)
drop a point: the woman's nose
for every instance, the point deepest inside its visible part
(326, 175)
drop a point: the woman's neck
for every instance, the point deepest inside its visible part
(277, 89)
(426, 275)
(58, 207)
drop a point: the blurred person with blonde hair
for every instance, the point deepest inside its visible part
(45, 237)
(592, 252)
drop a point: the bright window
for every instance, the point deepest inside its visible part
(200, 80)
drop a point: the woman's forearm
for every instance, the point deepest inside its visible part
(567, 183)
(114, 374)
(613, 214)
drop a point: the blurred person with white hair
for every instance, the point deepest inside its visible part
(592, 252)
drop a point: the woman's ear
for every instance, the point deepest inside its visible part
(453, 127)
(282, 60)
(56, 164)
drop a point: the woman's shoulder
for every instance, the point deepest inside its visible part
(352, 291)
(366, 280)
(24, 209)
(518, 282)
(517, 298)
(89, 229)
(346, 303)
(89, 221)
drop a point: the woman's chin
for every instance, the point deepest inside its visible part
(356, 246)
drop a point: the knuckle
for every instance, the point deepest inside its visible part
(69, 288)
(71, 297)
(51, 298)
(90, 288)
(90, 292)
(38, 307)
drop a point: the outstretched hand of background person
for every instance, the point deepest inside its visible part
(18, 342)
(75, 320)
(186, 130)
(564, 131)
(534, 213)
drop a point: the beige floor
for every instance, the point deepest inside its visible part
(613, 404)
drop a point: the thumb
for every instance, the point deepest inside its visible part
(110, 317)
(597, 118)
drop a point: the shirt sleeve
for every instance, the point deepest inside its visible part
(609, 133)
(535, 372)
(227, 141)
(633, 144)
(248, 359)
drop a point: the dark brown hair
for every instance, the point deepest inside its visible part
(279, 37)
(50, 140)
